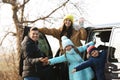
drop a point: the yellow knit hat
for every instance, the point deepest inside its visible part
(69, 16)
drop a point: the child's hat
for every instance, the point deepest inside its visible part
(66, 42)
(69, 16)
(90, 49)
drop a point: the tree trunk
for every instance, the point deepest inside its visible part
(19, 29)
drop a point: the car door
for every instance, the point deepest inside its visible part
(43, 42)
(113, 64)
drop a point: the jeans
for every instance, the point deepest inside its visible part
(31, 78)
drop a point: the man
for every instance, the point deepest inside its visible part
(33, 58)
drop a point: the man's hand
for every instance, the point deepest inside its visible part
(43, 59)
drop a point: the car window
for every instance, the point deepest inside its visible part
(102, 37)
(43, 44)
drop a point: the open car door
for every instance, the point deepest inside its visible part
(43, 42)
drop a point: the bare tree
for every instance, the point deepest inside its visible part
(19, 18)
(20, 21)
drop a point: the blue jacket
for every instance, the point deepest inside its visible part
(98, 64)
(74, 59)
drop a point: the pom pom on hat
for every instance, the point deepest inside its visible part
(90, 49)
(66, 41)
(69, 16)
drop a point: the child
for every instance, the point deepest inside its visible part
(74, 59)
(96, 60)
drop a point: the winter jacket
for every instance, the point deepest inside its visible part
(31, 54)
(97, 63)
(76, 36)
(73, 60)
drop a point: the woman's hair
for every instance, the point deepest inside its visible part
(68, 31)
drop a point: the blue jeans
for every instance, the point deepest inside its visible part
(31, 78)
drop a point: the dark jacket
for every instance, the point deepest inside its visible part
(31, 54)
(97, 63)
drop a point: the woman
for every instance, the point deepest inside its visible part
(75, 36)
(67, 30)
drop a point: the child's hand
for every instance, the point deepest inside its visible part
(74, 70)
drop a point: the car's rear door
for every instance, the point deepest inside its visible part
(113, 64)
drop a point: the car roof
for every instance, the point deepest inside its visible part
(107, 25)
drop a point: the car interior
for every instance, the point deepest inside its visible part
(104, 37)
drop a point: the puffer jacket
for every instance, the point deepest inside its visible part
(76, 36)
(98, 64)
(74, 59)
(31, 54)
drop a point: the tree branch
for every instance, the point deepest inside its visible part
(43, 18)
(24, 3)
(14, 34)
(80, 11)
(22, 10)
(12, 2)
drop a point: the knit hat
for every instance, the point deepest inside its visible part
(69, 16)
(90, 49)
(66, 41)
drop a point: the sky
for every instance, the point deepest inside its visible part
(99, 12)
(104, 11)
